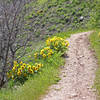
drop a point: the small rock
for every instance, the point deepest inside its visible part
(73, 95)
(81, 18)
(84, 97)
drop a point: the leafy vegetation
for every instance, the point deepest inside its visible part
(95, 43)
(57, 16)
(95, 40)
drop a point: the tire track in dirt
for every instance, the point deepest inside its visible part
(78, 74)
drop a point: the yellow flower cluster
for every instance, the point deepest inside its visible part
(53, 44)
(57, 43)
(45, 52)
(23, 70)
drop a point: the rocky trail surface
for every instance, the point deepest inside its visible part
(78, 74)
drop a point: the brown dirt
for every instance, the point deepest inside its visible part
(78, 74)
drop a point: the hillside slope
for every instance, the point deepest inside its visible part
(47, 17)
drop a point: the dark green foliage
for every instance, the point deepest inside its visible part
(95, 14)
(51, 14)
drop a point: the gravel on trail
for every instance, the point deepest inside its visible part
(78, 74)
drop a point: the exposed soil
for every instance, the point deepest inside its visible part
(78, 74)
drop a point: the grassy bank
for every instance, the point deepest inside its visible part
(95, 43)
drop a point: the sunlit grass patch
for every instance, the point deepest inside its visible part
(42, 1)
(95, 43)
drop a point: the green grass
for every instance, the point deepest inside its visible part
(42, 1)
(95, 43)
(70, 32)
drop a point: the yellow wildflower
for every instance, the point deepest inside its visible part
(21, 63)
(48, 42)
(49, 54)
(47, 48)
(9, 74)
(67, 43)
(22, 67)
(30, 71)
(24, 64)
(41, 52)
(15, 62)
(29, 67)
(13, 69)
(39, 65)
(44, 55)
(25, 74)
(35, 55)
(19, 73)
(36, 68)
(51, 51)
(33, 67)
(56, 44)
(63, 44)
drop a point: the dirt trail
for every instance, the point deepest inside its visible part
(77, 76)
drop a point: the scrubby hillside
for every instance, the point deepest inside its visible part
(47, 17)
